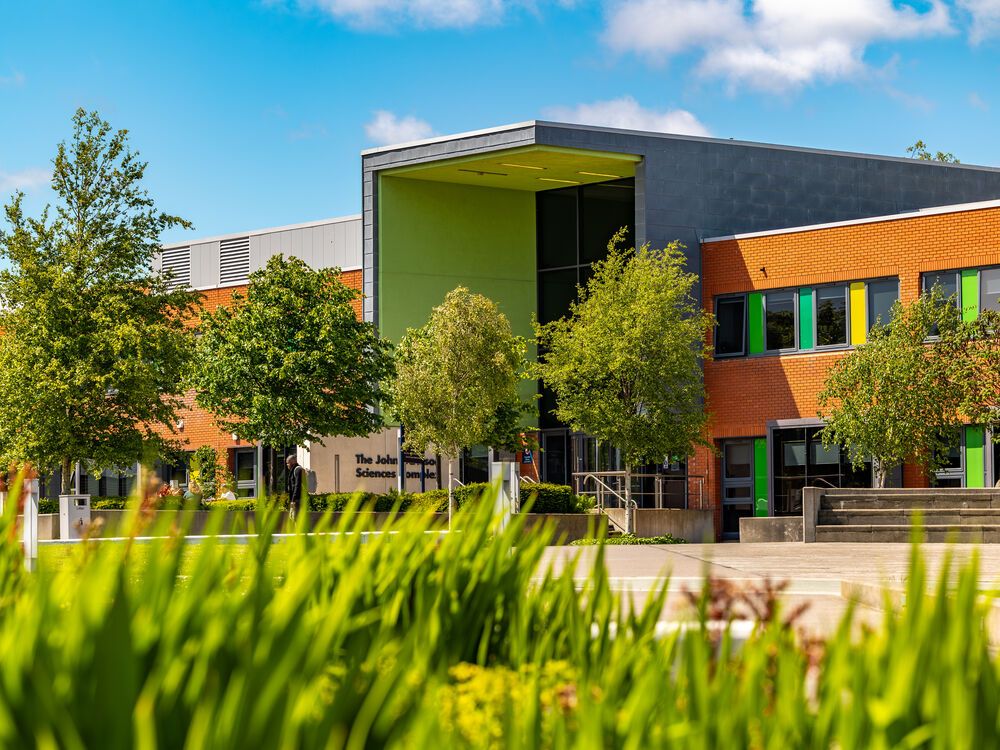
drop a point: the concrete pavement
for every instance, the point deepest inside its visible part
(815, 573)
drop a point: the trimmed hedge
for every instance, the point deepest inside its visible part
(544, 498)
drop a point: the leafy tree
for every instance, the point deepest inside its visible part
(93, 340)
(899, 397)
(625, 364)
(919, 152)
(457, 377)
(973, 350)
(290, 362)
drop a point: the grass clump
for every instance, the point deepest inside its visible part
(419, 639)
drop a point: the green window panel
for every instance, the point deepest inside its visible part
(975, 456)
(760, 477)
(970, 294)
(806, 318)
(755, 316)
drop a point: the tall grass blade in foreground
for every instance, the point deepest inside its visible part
(413, 638)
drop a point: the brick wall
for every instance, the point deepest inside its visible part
(744, 393)
(199, 426)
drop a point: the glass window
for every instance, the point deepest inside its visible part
(831, 316)
(557, 228)
(881, 297)
(556, 289)
(730, 326)
(604, 209)
(738, 459)
(779, 312)
(946, 281)
(989, 292)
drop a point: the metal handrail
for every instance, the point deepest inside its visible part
(692, 498)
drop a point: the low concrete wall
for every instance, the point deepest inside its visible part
(48, 526)
(694, 526)
(568, 526)
(771, 529)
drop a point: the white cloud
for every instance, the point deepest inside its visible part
(626, 112)
(28, 179)
(393, 14)
(387, 128)
(16, 78)
(985, 18)
(975, 100)
(771, 45)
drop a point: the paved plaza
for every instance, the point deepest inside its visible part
(818, 574)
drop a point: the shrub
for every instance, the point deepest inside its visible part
(552, 498)
(48, 505)
(240, 503)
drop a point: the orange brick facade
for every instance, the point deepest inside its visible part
(745, 393)
(199, 427)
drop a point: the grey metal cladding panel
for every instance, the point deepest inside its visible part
(258, 251)
(354, 246)
(205, 264)
(448, 148)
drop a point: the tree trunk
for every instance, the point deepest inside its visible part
(67, 476)
(629, 514)
(451, 492)
(881, 475)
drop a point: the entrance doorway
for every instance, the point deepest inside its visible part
(799, 460)
(737, 485)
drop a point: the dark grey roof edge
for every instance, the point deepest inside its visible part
(670, 136)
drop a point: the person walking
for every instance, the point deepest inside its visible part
(293, 485)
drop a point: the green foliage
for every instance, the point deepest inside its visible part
(290, 362)
(457, 376)
(205, 471)
(628, 539)
(93, 340)
(625, 364)
(920, 152)
(899, 396)
(414, 639)
(552, 498)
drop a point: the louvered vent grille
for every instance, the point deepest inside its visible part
(234, 260)
(177, 263)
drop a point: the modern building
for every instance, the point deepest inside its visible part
(521, 212)
(790, 303)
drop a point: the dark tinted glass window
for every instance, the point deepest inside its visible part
(556, 289)
(738, 459)
(946, 282)
(881, 296)
(557, 228)
(729, 332)
(989, 292)
(604, 209)
(779, 310)
(831, 315)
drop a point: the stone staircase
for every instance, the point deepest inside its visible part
(867, 515)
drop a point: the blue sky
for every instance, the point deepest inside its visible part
(252, 113)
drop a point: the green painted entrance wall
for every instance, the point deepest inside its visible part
(435, 236)
(975, 456)
(760, 477)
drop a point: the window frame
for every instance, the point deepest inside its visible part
(846, 287)
(868, 299)
(979, 287)
(957, 273)
(744, 350)
(795, 319)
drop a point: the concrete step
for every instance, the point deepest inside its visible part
(987, 533)
(907, 502)
(906, 516)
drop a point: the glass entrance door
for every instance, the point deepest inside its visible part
(245, 465)
(799, 459)
(737, 485)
